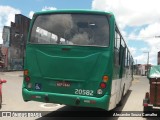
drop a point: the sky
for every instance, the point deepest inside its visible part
(138, 20)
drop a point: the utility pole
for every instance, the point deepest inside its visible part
(147, 61)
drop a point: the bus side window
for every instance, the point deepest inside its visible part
(117, 40)
(126, 58)
(117, 48)
(122, 53)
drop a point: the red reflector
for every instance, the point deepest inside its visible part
(92, 102)
(27, 79)
(33, 96)
(103, 85)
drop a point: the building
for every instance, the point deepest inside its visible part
(14, 42)
(142, 69)
(5, 46)
(1, 57)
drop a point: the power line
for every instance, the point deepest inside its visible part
(141, 37)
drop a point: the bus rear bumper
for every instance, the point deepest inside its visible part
(67, 99)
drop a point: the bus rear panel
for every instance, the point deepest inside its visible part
(69, 58)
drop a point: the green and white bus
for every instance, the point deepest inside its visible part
(77, 58)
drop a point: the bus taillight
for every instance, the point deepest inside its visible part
(103, 85)
(25, 72)
(105, 78)
(27, 78)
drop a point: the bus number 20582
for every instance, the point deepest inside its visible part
(84, 92)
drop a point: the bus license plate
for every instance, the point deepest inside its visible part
(63, 84)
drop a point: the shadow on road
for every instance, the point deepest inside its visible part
(69, 112)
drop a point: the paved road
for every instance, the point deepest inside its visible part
(12, 98)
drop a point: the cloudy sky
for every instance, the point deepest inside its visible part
(138, 20)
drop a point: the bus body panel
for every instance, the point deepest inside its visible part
(79, 69)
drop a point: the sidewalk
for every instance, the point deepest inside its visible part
(12, 73)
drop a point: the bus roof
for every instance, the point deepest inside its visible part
(73, 11)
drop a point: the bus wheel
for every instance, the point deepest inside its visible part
(0, 101)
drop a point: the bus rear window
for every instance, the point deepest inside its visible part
(71, 29)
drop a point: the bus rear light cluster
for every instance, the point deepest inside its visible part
(103, 84)
(26, 77)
